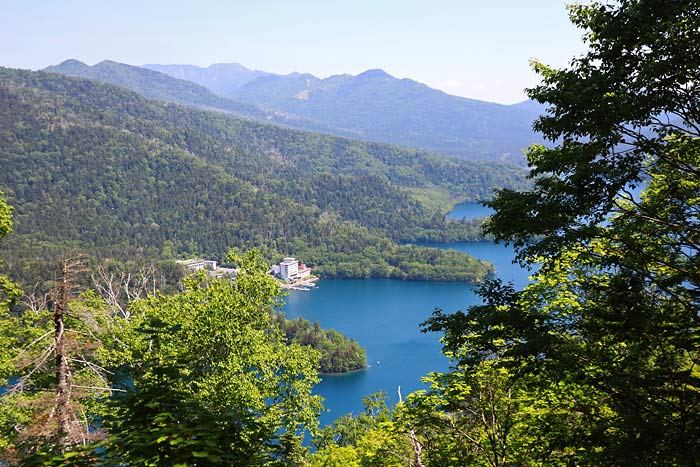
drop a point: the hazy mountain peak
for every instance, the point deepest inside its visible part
(228, 67)
(375, 73)
(68, 67)
(72, 62)
(110, 63)
(296, 74)
(221, 78)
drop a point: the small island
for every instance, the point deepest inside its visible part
(338, 353)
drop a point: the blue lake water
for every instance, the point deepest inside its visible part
(469, 210)
(384, 315)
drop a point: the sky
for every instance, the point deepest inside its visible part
(476, 49)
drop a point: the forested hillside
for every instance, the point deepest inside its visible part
(162, 87)
(371, 106)
(99, 168)
(377, 106)
(309, 151)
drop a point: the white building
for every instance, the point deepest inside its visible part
(304, 271)
(197, 264)
(289, 269)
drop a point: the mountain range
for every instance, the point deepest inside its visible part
(162, 87)
(373, 105)
(97, 167)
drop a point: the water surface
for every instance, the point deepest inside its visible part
(384, 315)
(469, 211)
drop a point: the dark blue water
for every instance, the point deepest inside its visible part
(384, 315)
(469, 211)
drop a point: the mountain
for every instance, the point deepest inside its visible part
(380, 107)
(377, 106)
(221, 78)
(530, 106)
(96, 167)
(163, 87)
(155, 85)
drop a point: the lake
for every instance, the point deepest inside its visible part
(469, 211)
(384, 315)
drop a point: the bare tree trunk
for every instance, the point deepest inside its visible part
(417, 449)
(62, 370)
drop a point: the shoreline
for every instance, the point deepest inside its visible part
(310, 282)
(366, 367)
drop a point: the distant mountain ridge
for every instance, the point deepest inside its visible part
(154, 85)
(164, 87)
(221, 78)
(376, 106)
(372, 105)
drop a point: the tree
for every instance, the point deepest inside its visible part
(609, 112)
(9, 292)
(53, 384)
(207, 379)
(613, 312)
(370, 439)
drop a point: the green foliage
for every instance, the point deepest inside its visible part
(376, 106)
(365, 440)
(131, 178)
(9, 292)
(338, 353)
(347, 429)
(487, 415)
(609, 327)
(202, 377)
(207, 379)
(611, 110)
(5, 217)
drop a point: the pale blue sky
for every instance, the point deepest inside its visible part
(477, 49)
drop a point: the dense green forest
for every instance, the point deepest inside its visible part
(159, 86)
(596, 362)
(95, 167)
(338, 353)
(371, 106)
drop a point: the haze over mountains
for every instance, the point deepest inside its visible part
(221, 78)
(162, 87)
(373, 105)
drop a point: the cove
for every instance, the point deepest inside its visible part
(384, 316)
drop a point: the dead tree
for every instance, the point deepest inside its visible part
(120, 288)
(64, 334)
(63, 409)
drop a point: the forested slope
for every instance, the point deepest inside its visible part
(376, 106)
(159, 86)
(99, 168)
